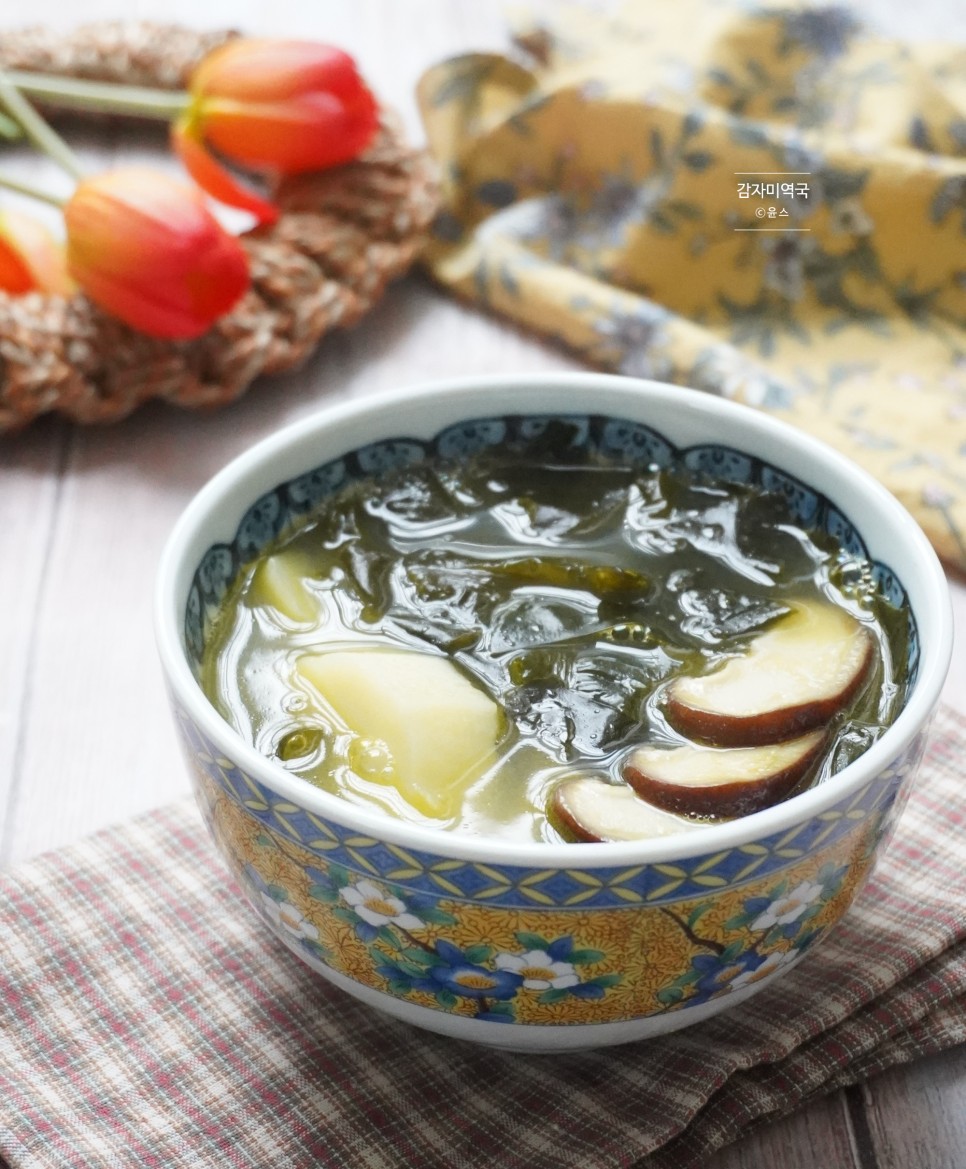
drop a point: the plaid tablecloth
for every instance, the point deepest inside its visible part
(147, 1020)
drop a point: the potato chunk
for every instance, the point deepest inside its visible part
(280, 582)
(440, 730)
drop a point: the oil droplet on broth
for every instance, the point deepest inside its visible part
(370, 759)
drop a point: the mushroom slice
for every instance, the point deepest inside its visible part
(591, 810)
(695, 780)
(795, 677)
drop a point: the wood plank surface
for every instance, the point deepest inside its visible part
(917, 1114)
(819, 1137)
(85, 736)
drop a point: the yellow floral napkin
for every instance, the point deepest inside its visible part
(768, 203)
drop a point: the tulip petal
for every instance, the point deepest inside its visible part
(30, 258)
(15, 276)
(310, 132)
(216, 179)
(282, 105)
(266, 69)
(146, 248)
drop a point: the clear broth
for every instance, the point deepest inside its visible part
(570, 590)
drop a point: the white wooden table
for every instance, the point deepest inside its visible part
(85, 736)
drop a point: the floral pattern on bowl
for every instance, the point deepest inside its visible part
(503, 944)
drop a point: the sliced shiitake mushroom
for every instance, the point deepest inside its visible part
(696, 780)
(795, 676)
(589, 809)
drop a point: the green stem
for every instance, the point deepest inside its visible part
(106, 97)
(33, 192)
(9, 128)
(37, 130)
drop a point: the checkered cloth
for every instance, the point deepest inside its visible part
(146, 1020)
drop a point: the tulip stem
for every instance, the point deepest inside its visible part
(37, 130)
(73, 93)
(33, 192)
(9, 128)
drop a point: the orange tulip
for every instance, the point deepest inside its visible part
(146, 249)
(30, 258)
(281, 107)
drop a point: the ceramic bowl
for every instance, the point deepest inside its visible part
(539, 946)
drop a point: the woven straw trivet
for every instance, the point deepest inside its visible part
(342, 235)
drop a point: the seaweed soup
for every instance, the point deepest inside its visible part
(568, 589)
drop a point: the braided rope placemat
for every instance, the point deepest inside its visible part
(342, 236)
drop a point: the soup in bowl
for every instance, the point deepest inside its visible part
(541, 700)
